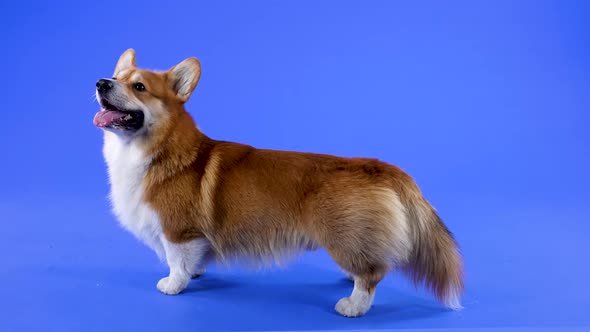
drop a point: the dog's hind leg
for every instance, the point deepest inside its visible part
(361, 298)
(367, 271)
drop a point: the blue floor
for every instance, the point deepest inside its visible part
(65, 269)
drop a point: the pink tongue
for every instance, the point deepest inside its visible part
(105, 118)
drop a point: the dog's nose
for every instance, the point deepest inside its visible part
(104, 85)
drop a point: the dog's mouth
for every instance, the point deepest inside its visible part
(111, 117)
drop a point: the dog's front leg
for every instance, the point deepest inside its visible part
(182, 259)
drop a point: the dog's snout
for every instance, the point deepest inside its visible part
(104, 85)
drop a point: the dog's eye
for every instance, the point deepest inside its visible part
(114, 78)
(139, 86)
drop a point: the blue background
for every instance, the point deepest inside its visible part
(485, 103)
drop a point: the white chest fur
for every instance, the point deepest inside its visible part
(127, 165)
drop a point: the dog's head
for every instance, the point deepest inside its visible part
(136, 102)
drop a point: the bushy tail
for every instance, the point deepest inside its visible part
(435, 261)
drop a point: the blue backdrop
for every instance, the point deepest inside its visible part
(485, 103)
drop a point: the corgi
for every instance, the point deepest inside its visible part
(195, 200)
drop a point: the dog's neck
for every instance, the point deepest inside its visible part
(176, 151)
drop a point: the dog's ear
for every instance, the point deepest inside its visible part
(184, 77)
(126, 61)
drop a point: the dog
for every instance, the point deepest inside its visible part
(194, 199)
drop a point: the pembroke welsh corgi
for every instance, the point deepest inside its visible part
(193, 199)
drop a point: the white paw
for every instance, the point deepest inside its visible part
(346, 307)
(170, 286)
